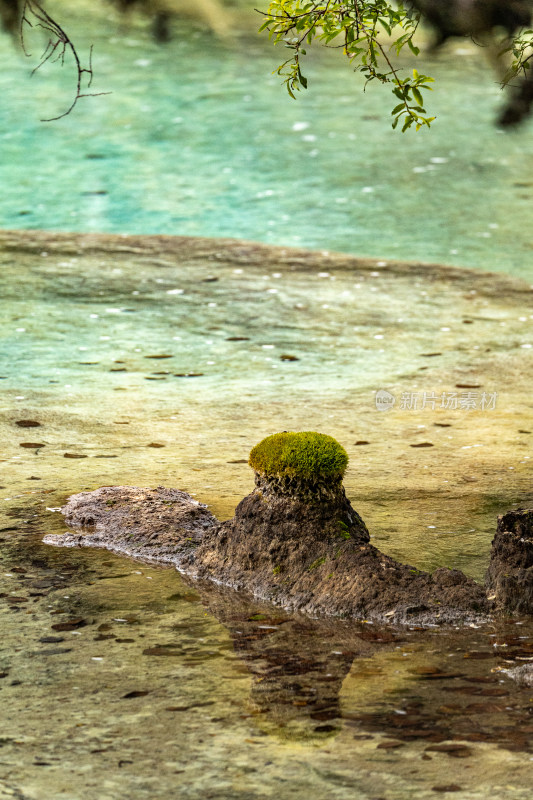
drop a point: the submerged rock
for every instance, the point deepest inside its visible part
(510, 573)
(523, 674)
(153, 524)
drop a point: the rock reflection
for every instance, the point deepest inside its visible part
(298, 665)
(439, 689)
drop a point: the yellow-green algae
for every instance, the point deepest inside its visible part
(306, 455)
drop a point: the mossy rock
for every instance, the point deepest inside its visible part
(307, 455)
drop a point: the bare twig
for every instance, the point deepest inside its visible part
(59, 44)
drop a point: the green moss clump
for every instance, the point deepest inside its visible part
(307, 455)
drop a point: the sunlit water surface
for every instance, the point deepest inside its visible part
(154, 361)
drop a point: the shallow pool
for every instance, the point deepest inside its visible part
(145, 361)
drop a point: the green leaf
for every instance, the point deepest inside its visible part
(418, 96)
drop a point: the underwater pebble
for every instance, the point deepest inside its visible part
(69, 625)
(27, 423)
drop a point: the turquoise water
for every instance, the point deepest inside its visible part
(146, 361)
(199, 138)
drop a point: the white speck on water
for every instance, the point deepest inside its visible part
(93, 316)
(238, 271)
(323, 274)
(375, 274)
(313, 153)
(20, 397)
(96, 658)
(268, 346)
(367, 189)
(526, 345)
(175, 291)
(20, 330)
(142, 62)
(105, 338)
(438, 160)
(445, 329)
(300, 126)
(382, 264)
(272, 291)
(309, 137)
(432, 526)
(469, 446)
(378, 336)
(211, 305)
(276, 274)
(113, 310)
